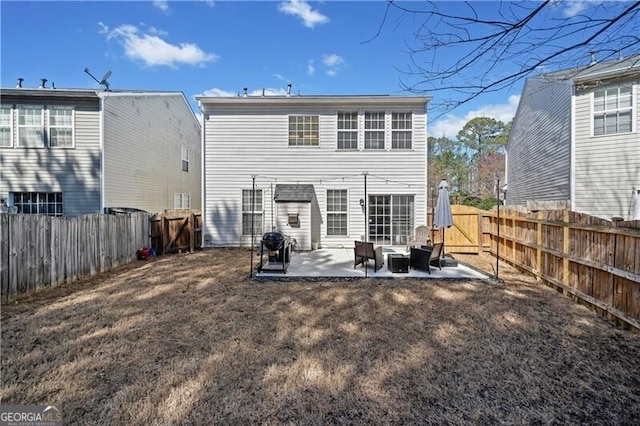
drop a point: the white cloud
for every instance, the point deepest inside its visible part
(575, 7)
(209, 3)
(216, 92)
(450, 124)
(332, 62)
(301, 9)
(151, 49)
(163, 5)
(310, 67)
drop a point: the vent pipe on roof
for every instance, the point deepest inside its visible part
(19, 85)
(289, 89)
(593, 57)
(245, 91)
(43, 83)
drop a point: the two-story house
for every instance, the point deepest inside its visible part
(576, 139)
(326, 170)
(69, 152)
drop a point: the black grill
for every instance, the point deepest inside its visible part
(273, 240)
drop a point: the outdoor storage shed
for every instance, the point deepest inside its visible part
(298, 214)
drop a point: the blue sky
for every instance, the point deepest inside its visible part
(218, 48)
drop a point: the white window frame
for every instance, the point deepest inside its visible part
(374, 124)
(181, 200)
(52, 128)
(401, 125)
(38, 202)
(603, 110)
(25, 127)
(247, 212)
(184, 156)
(304, 130)
(341, 210)
(7, 125)
(345, 123)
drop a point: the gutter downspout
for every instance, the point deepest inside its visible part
(203, 187)
(102, 171)
(572, 148)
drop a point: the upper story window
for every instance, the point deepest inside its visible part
(6, 139)
(181, 201)
(374, 130)
(61, 127)
(348, 130)
(30, 126)
(612, 110)
(185, 159)
(401, 130)
(303, 130)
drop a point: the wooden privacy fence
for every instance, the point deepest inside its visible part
(591, 259)
(41, 251)
(465, 236)
(176, 230)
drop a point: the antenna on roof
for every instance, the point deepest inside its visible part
(105, 80)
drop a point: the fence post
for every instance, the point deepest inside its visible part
(480, 234)
(565, 249)
(538, 244)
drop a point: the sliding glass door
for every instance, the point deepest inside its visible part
(390, 218)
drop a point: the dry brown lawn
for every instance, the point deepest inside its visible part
(190, 339)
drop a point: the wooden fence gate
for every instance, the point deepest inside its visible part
(176, 230)
(465, 236)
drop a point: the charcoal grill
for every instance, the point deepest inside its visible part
(278, 249)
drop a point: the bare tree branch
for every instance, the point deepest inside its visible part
(474, 50)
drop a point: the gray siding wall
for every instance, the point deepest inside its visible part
(143, 136)
(539, 147)
(241, 141)
(606, 167)
(73, 171)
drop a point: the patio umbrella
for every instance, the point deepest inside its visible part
(443, 218)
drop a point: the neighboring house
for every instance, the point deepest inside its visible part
(309, 161)
(68, 152)
(576, 139)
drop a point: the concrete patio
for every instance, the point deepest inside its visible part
(338, 263)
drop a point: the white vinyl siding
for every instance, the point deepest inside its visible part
(30, 126)
(246, 138)
(6, 131)
(61, 127)
(374, 130)
(613, 110)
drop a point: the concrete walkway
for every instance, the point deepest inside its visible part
(338, 263)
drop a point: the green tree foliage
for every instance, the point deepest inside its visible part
(470, 163)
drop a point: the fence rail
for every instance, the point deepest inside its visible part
(41, 251)
(590, 259)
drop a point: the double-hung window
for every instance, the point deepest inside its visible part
(181, 201)
(47, 203)
(251, 210)
(303, 130)
(401, 130)
(30, 126)
(374, 130)
(337, 211)
(185, 159)
(347, 130)
(6, 139)
(61, 127)
(612, 110)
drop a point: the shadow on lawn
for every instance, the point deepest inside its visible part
(190, 339)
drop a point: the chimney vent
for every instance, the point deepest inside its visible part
(593, 57)
(43, 84)
(245, 91)
(289, 89)
(19, 85)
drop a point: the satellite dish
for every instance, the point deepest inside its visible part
(104, 82)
